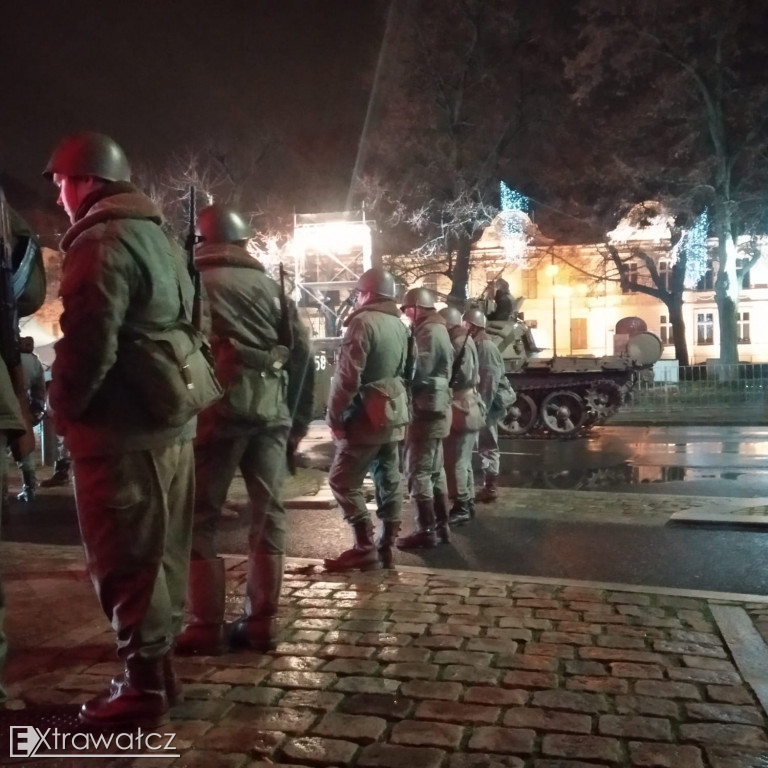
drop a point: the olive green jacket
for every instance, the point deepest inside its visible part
(374, 349)
(121, 272)
(11, 420)
(247, 330)
(491, 367)
(434, 360)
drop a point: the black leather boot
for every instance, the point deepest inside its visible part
(362, 557)
(255, 629)
(206, 592)
(389, 531)
(28, 487)
(489, 492)
(137, 700)
(424, 536)
(442, 530)
(60, 475)
(460, 513)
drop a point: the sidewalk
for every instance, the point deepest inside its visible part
(418, 668)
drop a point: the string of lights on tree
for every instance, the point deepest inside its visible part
(513, 217)
(693, 245)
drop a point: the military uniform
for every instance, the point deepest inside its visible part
(367, 413)
(491, 372)
(133, 478)
(467, 410)
(431, 423)
(11, 425)
(268, 396)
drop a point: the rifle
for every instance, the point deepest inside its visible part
(9, 334)
(284, 329)
(457, 362)
(410, 358)
(285, 339)
(189, 247)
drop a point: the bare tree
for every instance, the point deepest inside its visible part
(681, 94)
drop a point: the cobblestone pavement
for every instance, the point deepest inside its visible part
(415, 668)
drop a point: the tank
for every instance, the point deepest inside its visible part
(565, 396)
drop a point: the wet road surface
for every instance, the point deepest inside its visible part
(595, 509)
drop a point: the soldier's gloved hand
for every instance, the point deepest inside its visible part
(278, 356)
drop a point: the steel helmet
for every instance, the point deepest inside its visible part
(89, 154)
(474, 317)
(419, 297)
(377, 281)
(451, 315)
(219, 224)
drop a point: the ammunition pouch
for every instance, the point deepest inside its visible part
(384, 403)
(431, 396)
(468, 412)
(503, 399)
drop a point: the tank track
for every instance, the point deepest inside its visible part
(619, 385)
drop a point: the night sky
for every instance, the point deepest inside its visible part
(164, 75)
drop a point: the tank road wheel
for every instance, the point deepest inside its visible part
(520, 418)
(603, 399)
(562, 413)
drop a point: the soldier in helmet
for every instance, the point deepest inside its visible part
(491, 375)
(367, 414)
(262, 355)
(134, 480)
(431, 402)
(467, 417)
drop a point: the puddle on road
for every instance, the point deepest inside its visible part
(624, 476)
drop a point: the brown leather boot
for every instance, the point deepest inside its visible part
(255, 629)
(206, 591)
(442, 530)
(389, 531)
(173, 689)
(363, 556)
(424, 536)
(489, 492)
(138, 700)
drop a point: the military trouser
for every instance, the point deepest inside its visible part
(458, 465)
(261, 459)
(351, 464)
(424, 466)
(3, 639)
(488, 448)
(135, 515)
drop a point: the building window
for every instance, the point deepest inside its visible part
(707, 282)
(665, 331)
(631, 272)
(530, 284)
(578, 333)
(742, 327)
(705, 328)
(665, 274)
(740, 264)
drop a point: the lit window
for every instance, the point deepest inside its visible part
(705, 328)
(665, 331)
(707, 282)
(665, 274)
(742, 327)
(530, 284)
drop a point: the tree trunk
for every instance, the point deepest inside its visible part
(675, 307)
(727, 293)
(458, 294)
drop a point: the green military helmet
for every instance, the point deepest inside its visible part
(220, 224)
(378, 282)
(419, 297)
(451, 315)
(474, 317)
(89, 154)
